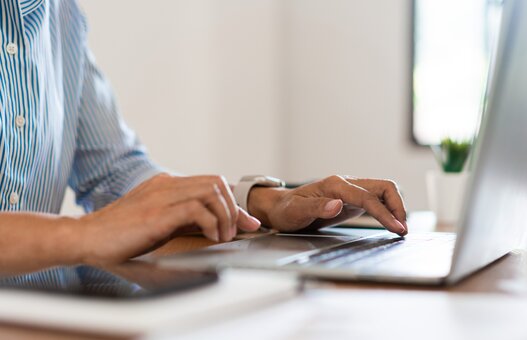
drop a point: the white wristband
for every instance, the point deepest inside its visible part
(243, 188)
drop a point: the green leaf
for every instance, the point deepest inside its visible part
(451, 154)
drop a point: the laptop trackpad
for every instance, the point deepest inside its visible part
(266, 251)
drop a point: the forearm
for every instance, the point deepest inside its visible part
(31, 242)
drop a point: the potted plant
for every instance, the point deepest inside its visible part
(447, 187)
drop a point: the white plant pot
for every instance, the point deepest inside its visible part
(445, 194)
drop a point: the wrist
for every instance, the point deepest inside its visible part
(261, 201)
(66, 243)
(87, 252)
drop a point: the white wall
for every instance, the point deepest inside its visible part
(191, 75)
(296, 88)
(348, 93)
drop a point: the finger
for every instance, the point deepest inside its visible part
(225, 190)
(374, 207)
(209, 194)
(394, 201)
(229, 200)
(317, 207)
(190, 213)
(303, 211)
(216, 203)
(388, 192)
(247, 222)
(337, 187)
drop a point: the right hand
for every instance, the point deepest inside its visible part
(157, 209)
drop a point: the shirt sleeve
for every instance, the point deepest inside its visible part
(109, 160)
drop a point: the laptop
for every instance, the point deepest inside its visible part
(494, 214)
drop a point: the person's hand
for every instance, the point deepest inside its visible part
(329, 201)
(155, 211)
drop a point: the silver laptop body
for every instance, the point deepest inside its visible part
(494, 214)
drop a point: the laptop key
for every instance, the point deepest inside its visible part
(417, 255)
(372, 250)
(350, 252)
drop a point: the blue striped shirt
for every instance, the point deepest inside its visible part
(59, 123)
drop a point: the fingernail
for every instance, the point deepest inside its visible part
(331, 205)
(215, 236)
(255, 221)
(401, 227)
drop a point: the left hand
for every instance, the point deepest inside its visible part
(329, 201)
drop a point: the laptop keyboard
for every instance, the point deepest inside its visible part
(371, 251)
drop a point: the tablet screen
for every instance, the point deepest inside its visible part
(133, 279)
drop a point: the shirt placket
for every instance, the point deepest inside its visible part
(13, 112)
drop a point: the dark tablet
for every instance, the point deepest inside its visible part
(129, 280)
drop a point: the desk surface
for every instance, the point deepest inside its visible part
(507, 277)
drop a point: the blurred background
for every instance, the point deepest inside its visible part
(298, 89)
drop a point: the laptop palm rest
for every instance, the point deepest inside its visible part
(268, 251)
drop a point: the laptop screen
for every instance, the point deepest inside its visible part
(495, 206)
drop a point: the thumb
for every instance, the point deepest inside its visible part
(246, 222)
(322, 207)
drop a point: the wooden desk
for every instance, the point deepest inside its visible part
(508, 276)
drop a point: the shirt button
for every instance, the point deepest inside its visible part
(13, 198)
(20, 121)
(12, 48)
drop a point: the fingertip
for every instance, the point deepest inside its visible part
(234, 231)
(212, 235)
(247, 222)
(255, 223)
(400, 228)
(401, 217)
(402, 233)
(333, 207)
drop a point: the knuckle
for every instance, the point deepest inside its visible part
(213, 192)
(160, 178)
(391, 184)
(334, 179)
(220, 180)
(216, 189)
(369, 201)
(215, 178)
(215, 199)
